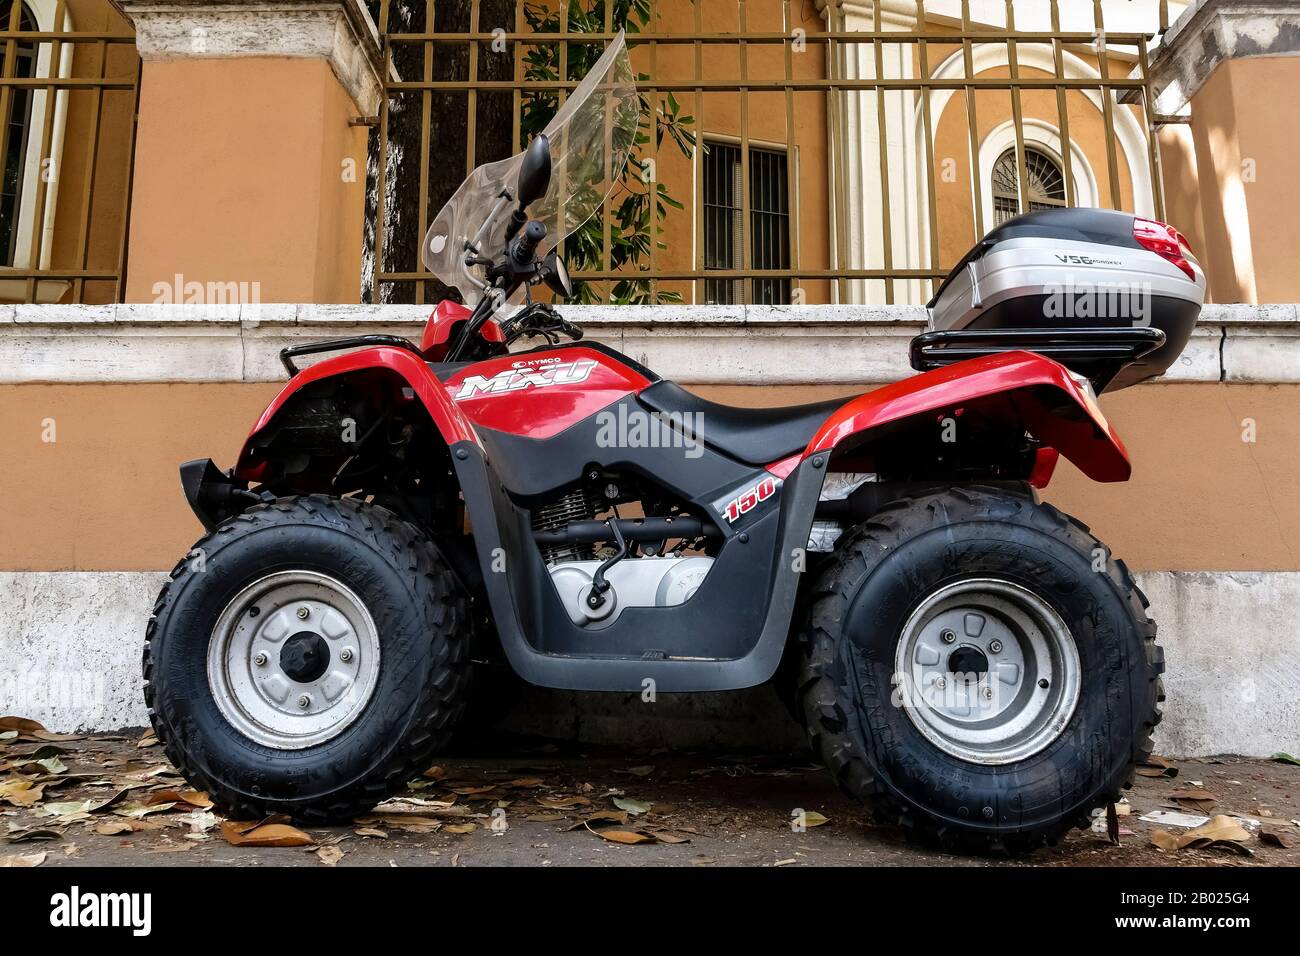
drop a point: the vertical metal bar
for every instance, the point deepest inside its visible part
(791, 164)
(1062, 108)
(6, 93)
(122, 249)
(471, 97)
(700, 284)
(381, 173)
(563, 75)
(882, 132)
(746, 224)
(1107, 106)
(606, 240)
(1153, 144)
(34, 258)
(426, 117)
(1017, 114)
(839, 151)
(972, 121)
(88, 189)
(653, 184)
(516, 115)
(928, 123)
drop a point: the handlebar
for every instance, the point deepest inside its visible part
(525, 247)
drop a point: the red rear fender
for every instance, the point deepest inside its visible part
(1021, 389)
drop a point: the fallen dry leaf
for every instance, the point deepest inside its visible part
(1194, 799)
(1275, 837)
(21, 725)
(148, 740)
(20, 791)
(329, 855)
(1158, 767)
(1112, 824)
(23, 859)
(563, 803)
(254, 834)
(371, 832)
(602, 816)
(18, 834)
(812, 818)
(114, 827)
(460, 828)
(193, 798)
(1222, 832)
(625, 836)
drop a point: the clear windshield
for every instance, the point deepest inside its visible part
(590, 138)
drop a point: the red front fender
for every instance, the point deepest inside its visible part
(1037, 394)
(395, 365)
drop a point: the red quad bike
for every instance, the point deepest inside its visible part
(966, 658)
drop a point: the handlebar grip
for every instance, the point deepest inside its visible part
(526, 245)
(571, 330)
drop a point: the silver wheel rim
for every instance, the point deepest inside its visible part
(293, 659)
(989, 672)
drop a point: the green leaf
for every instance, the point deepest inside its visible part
(634, 807)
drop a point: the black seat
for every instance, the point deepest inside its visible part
(756, 436)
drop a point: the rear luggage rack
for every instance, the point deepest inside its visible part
(1098, 353)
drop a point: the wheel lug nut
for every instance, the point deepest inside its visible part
(988, 693)
(304, 701)
(1043, 683)
(941, 683)
(995, 647)
(345, 655)
(303, 613)
(260, 660)
(947, 635)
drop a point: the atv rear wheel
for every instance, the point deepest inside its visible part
(308, 657)
(979, 670)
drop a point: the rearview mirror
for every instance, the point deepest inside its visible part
(535, 171)
(556, 275)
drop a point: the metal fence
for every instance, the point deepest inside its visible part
(68, 97)
(469, 80)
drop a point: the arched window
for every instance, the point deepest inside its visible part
(1046, 184)
(15, 143)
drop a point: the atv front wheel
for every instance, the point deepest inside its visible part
(979, 670)
(308, 657)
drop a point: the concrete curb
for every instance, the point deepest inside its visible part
(70, 647)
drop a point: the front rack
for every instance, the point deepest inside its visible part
(337, 345)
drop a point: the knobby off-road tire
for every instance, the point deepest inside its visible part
(871, 597)
(412, 632)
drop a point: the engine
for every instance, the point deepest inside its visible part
(637, 564)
